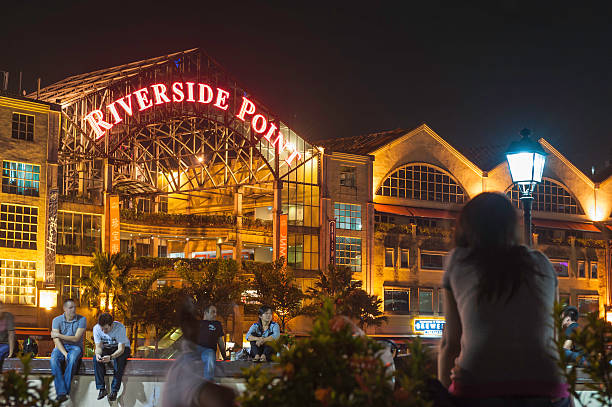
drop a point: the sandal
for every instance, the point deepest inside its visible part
(257, 359)
(263, 359)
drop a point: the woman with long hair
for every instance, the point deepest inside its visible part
(262, 332)
(498, 344)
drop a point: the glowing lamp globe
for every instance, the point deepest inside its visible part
(526, 159)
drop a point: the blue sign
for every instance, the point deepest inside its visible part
(429, 327)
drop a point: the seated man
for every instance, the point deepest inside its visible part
(7, 335)
(67, 333)
(210, 336)
(569, 322)
(113, 345)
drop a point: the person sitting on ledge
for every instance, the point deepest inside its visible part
(113, 345)
(498, 345)
(7, 335)
(67, 333)
(261, 332)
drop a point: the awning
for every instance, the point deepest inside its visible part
(32, 331)
(556, 224)
(414, 211)
(609, 227)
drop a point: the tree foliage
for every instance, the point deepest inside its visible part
(275, 286)
(108, 277)
(18, 390)
(593, 340)
(332, 367)
(219, 283)
(337, 285)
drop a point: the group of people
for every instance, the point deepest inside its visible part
(111, 345)
(497, 347)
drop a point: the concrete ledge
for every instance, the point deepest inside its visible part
(134, 367)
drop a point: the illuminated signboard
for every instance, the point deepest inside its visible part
(189, 92)
(428, 327)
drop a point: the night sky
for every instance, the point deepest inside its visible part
(476, 73)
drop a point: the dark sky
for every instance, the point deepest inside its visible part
(476, 73)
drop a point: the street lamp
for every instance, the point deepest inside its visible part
(526, 160)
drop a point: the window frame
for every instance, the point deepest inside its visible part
(584, 269)
(22, 176)
(17, 273)
(431, 253)
(348, 222)
(431, 292)
(553, 261)
(405, 290)
(19, 227)
(391, 251)
(596, 264)
(583, 297)
(351, 242)
(27, 124)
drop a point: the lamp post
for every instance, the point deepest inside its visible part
(526, 160)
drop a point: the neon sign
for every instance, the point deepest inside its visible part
(190, 92)
(428, 327)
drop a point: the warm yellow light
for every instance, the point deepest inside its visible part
(48, 299)
(200, 158)
(609, 316)
(103, 302)
(596, 214)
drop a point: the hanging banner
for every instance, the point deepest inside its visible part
(51, 238)
(282, 249)
(113, 234)
(332, 242)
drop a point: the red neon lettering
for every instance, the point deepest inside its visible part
(205, 89)
(159, 91)
(126, 106)
(222, 96)
(96, 121)
(291, 157)
(177, 92)
(280, 142)
(247, 107)
(268, 135)
(259, 128)
(113, 110)
(142, 99)
(190, 91)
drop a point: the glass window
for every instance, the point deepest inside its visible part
(348, 252)
(549, 196)
(20, 178)
(23, 127)
(18, 282)
(79, 233)
(441, 300)
(18, 226)
(347, 176)
(432, 261)
(404, 258)
(389, 257)
(561, 267)
(397, 300)
(422, 182)
(588, 304)
(593, 273)
(425, 301)
(347, 216)
(68, 280)
(581, 269)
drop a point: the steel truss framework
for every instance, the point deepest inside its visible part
(175, 148)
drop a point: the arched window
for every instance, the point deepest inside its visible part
(420, 181)
(549, 196)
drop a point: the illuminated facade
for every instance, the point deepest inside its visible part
(170, 157)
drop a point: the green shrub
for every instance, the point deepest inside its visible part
(16, 389)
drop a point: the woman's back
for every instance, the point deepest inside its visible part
(505, 340)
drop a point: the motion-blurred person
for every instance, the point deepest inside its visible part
(67, 333)
(261, 333)
(7, 334)
(185, 386)
(112, 345)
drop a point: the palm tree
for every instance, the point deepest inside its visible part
(108, 276)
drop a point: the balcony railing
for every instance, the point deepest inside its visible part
(191, 220)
